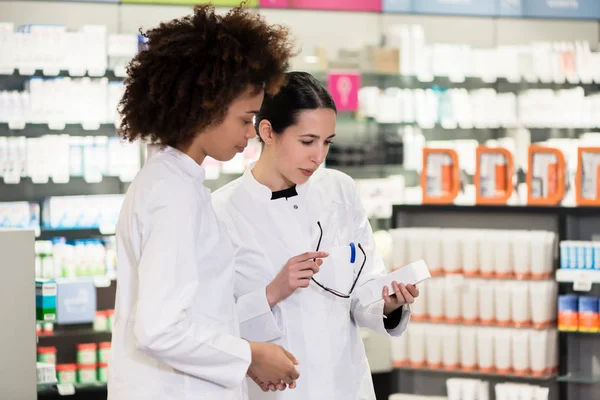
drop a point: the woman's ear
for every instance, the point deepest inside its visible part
(265, 130)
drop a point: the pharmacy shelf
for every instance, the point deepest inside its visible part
(576, 275)
(480, 325)
(110, 74)
(45, 389)
(580, 379)
(577, 332)
(26, 190)
(459, 372)
(73, 234)
(499, 209)
(37, 130)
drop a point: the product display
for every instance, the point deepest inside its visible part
(60, 258)
(46, 373)
(502, 351)
(487, 253)
(60, 157)
(494, 175)
(46, 355)
(53, 48)
(467, 389)
(587, 183)
(486, 302)
(510, 391)
(545, 176)
(66, 373)
(45, 300)
(20, 214)
(578, 313)
(76, 212)
(580, 255)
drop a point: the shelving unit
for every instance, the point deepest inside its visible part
(577, 351)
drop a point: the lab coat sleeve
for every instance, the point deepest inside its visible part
(168, 280)
(370, 316)
(258, 322)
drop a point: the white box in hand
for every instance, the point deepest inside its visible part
(411, 274)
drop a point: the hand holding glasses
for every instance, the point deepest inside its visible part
(333, 291)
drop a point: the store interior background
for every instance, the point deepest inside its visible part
(578, 376)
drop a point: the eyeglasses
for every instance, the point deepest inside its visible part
(333, 291)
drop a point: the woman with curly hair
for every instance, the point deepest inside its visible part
(193, 92)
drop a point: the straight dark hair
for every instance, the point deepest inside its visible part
(300, 92)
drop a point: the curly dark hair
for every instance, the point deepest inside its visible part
(194, 67)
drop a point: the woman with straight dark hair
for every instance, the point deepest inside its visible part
(282, 210)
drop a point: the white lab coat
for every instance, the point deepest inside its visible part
(321, 330)
(176, 333)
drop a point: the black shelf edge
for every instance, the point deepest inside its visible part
(36, 130)
(460, 372)
(579, 333)
(110, 74)
(50, 389)
(26, 190)
(84, 233)
(70, 333)
(498, 209)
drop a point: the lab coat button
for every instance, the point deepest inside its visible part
(295, 206)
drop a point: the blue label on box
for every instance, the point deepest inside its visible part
(397, 6)
(76, 301)
(456, 7)
(577, 9)
(568, 303)
(45, 301)
(588, 304)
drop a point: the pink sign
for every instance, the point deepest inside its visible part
(344, 90)
(346, 5)
(274, 3)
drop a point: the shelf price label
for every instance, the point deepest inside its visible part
(582, 283)
(65, 389)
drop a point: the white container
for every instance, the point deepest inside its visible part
(416, 245)
(399, 248)
(486, 295)
(470, 301)
(400, 350)
(454, 388)
(542, 254)
(520, 305)
(487, 255)
(435, 335)
(521, 254)
(470, 254)
(416, 348)
(520, 351)
(502, 303)
(543, 300)
(453, 288)
(418, 310)
(538, 356)
(451, 251)
(503, 265)
(485, 349)
(450, 348)
(468, 348)
(552, 357)
(502, 351)
(435, 299)
(431, 249)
